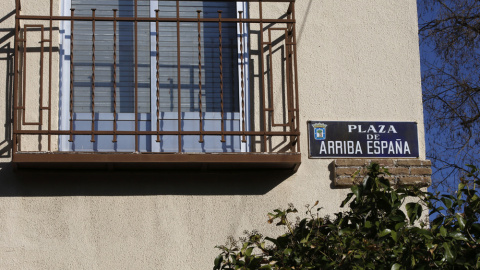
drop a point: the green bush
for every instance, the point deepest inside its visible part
(374, 233)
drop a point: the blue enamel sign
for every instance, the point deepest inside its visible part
(329, 139)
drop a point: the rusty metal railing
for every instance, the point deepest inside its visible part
(269, 124)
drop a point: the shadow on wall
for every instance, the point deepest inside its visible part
(304, 21)
(135, 183)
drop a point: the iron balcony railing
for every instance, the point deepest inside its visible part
(259, 125)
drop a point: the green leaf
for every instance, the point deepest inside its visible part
(345, 230)
(443, 231)
(368, 183)
(305, 240)
(461, 221)
(457, 236)
(399, 225)
(411, 211)
(449, 255)
(396, 266)
(218, 261)
(437, 221)
(448, 203)
(248, 252)
(384, 232)
(423, 232)
(460, 187)
(349, 196)
(394, 236)
(356, 190)
(397, 218)
(414, 211)
(384, 182)
(287, 251)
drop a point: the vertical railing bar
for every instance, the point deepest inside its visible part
(200, 76)
(40, 104)
(270, 60)
(179, 82)
(93, 75)
(288, 65)
(220, 48)
(264, 124)
(157, 72)
(50, 52)
(292, 92)
(71, 74)
(114, 75)
(24, 90)
(18, 7)
(136, 75)
(16, 79)
(242, 83)
(294, 33)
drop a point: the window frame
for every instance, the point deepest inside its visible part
(64, 85)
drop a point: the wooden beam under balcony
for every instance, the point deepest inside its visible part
(174, 161)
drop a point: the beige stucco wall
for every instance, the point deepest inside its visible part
(356, 61)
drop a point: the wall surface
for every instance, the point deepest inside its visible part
(355, 62)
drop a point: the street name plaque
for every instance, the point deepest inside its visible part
(330, 139)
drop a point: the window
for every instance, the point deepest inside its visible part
(207, 72)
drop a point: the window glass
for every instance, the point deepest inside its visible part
(168, 62)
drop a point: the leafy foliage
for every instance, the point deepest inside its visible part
(374, 233)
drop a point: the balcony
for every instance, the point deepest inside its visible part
(157, 84)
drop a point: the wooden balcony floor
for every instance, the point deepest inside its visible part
(173, 161)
